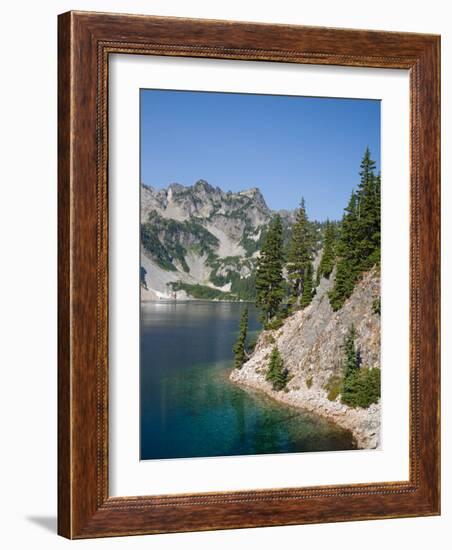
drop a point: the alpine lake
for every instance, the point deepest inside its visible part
(188, 405)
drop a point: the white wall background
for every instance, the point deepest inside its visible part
(28, 270)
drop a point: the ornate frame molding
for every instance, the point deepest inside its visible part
(85, 42)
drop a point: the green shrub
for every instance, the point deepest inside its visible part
(362, 388)
(277, 374)
(333, 387)
(309, 381)
(274, 324)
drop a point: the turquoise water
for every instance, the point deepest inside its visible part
(189, 408)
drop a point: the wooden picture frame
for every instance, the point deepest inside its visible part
(86, 40)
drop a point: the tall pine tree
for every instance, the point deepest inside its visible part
(350, 367)
(308, 287)
(328, 255)
(368, 215)
(300, 252)
(360, 385)
(346, 267)
(351, 363)
(239, 346)
(276, 373)
(358, 247)
(269, 274)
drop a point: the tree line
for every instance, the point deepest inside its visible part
(282, 285)
(359, 243)
(285, 280)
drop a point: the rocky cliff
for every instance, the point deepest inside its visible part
(310, 342)
(200, 241)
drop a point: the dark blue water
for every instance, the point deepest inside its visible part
(189, 408)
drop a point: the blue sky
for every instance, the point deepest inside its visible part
(287, 146)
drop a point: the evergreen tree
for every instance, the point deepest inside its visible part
(308, 287)
(276, 373)
(360, 386)
(358, 247)
(367, 168)
(368, 215)
(328, 256)
(343, 284)
(375, 256)
(269, 274)
(349, 369)
(372, 387)
(300, 252)
(364, 388)
(351, 363)
(239, 346)
(346, 267)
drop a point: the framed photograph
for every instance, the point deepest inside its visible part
(248, 275)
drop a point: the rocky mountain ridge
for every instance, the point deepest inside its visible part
(199, 238)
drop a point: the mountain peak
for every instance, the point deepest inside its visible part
(251, 192)
(254, 193)
(204, 199)
(202, 183)
(205, 186)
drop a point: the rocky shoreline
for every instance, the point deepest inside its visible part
(364, 424)
(310, 343)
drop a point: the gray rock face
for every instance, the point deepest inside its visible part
(234, 223)
(310, 342)
(203, 236)
(204, 201)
